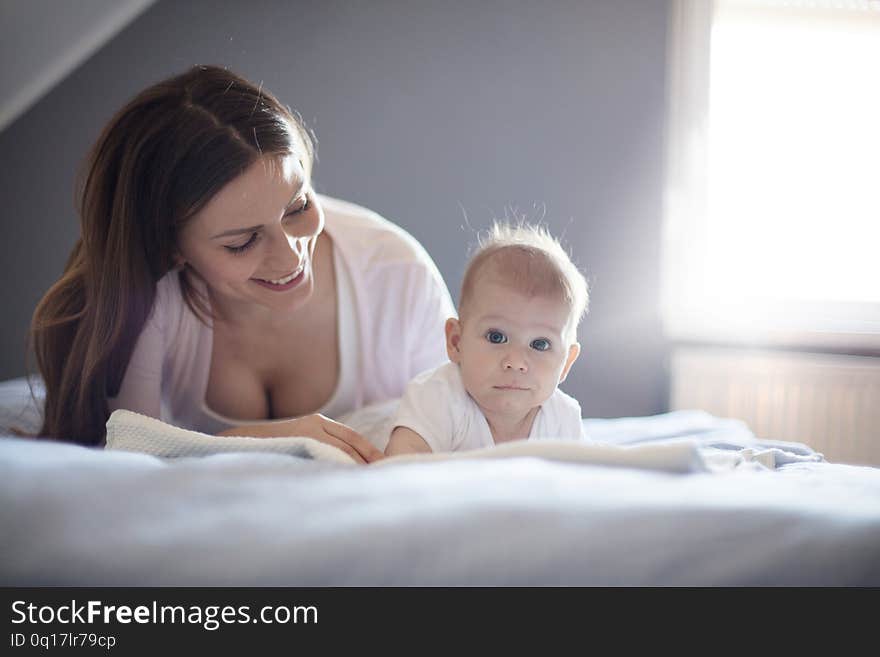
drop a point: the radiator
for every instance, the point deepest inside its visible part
(829, 402)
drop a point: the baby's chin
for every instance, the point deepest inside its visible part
(507, 404)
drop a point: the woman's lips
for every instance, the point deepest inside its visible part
(296, 280)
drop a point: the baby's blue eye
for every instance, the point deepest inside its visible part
(496, 337)
(540, 344)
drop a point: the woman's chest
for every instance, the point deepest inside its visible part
(274, 377)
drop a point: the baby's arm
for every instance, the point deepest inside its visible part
(406, 441)
(425, 419)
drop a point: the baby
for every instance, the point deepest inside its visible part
(515, 340)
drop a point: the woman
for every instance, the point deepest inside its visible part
(212, 288)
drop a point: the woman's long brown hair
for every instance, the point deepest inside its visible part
(159, 160)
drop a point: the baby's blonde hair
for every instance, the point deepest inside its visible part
(530, 260)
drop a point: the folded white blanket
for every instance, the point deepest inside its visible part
(770, 458)
(680, 456)
(134, 432)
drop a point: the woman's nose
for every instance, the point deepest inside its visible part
(287, 251)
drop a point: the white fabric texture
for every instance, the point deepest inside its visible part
(437, 407)
(399, 306)
(75, 516)
(133, 432)
(675, 457)
(770, 458)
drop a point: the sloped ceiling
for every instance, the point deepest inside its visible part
(43, 41)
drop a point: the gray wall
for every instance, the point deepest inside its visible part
(439, 115)
(42, 41)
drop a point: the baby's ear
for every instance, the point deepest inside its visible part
(453, 339)
(573, 352)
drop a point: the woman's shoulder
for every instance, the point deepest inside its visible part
(170, 310)
(368, 236)
(168, 292)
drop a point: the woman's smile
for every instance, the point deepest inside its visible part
(285, 283)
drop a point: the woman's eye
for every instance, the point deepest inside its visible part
(244, 247)
(303, 205)
(496, 337)
(541, 344)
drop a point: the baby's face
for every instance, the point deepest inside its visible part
(510, 347)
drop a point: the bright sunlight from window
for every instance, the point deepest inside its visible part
(793, 167)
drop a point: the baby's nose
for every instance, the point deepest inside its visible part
(515, 361)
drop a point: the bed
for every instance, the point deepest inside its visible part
(755, 512)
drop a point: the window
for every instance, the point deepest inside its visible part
(773, 206)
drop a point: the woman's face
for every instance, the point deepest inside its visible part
(253, 242)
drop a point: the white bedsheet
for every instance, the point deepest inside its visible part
(76, 516)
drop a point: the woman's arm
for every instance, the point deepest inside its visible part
(316, 426)
(141, 388)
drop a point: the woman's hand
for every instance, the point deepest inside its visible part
(315, 426)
